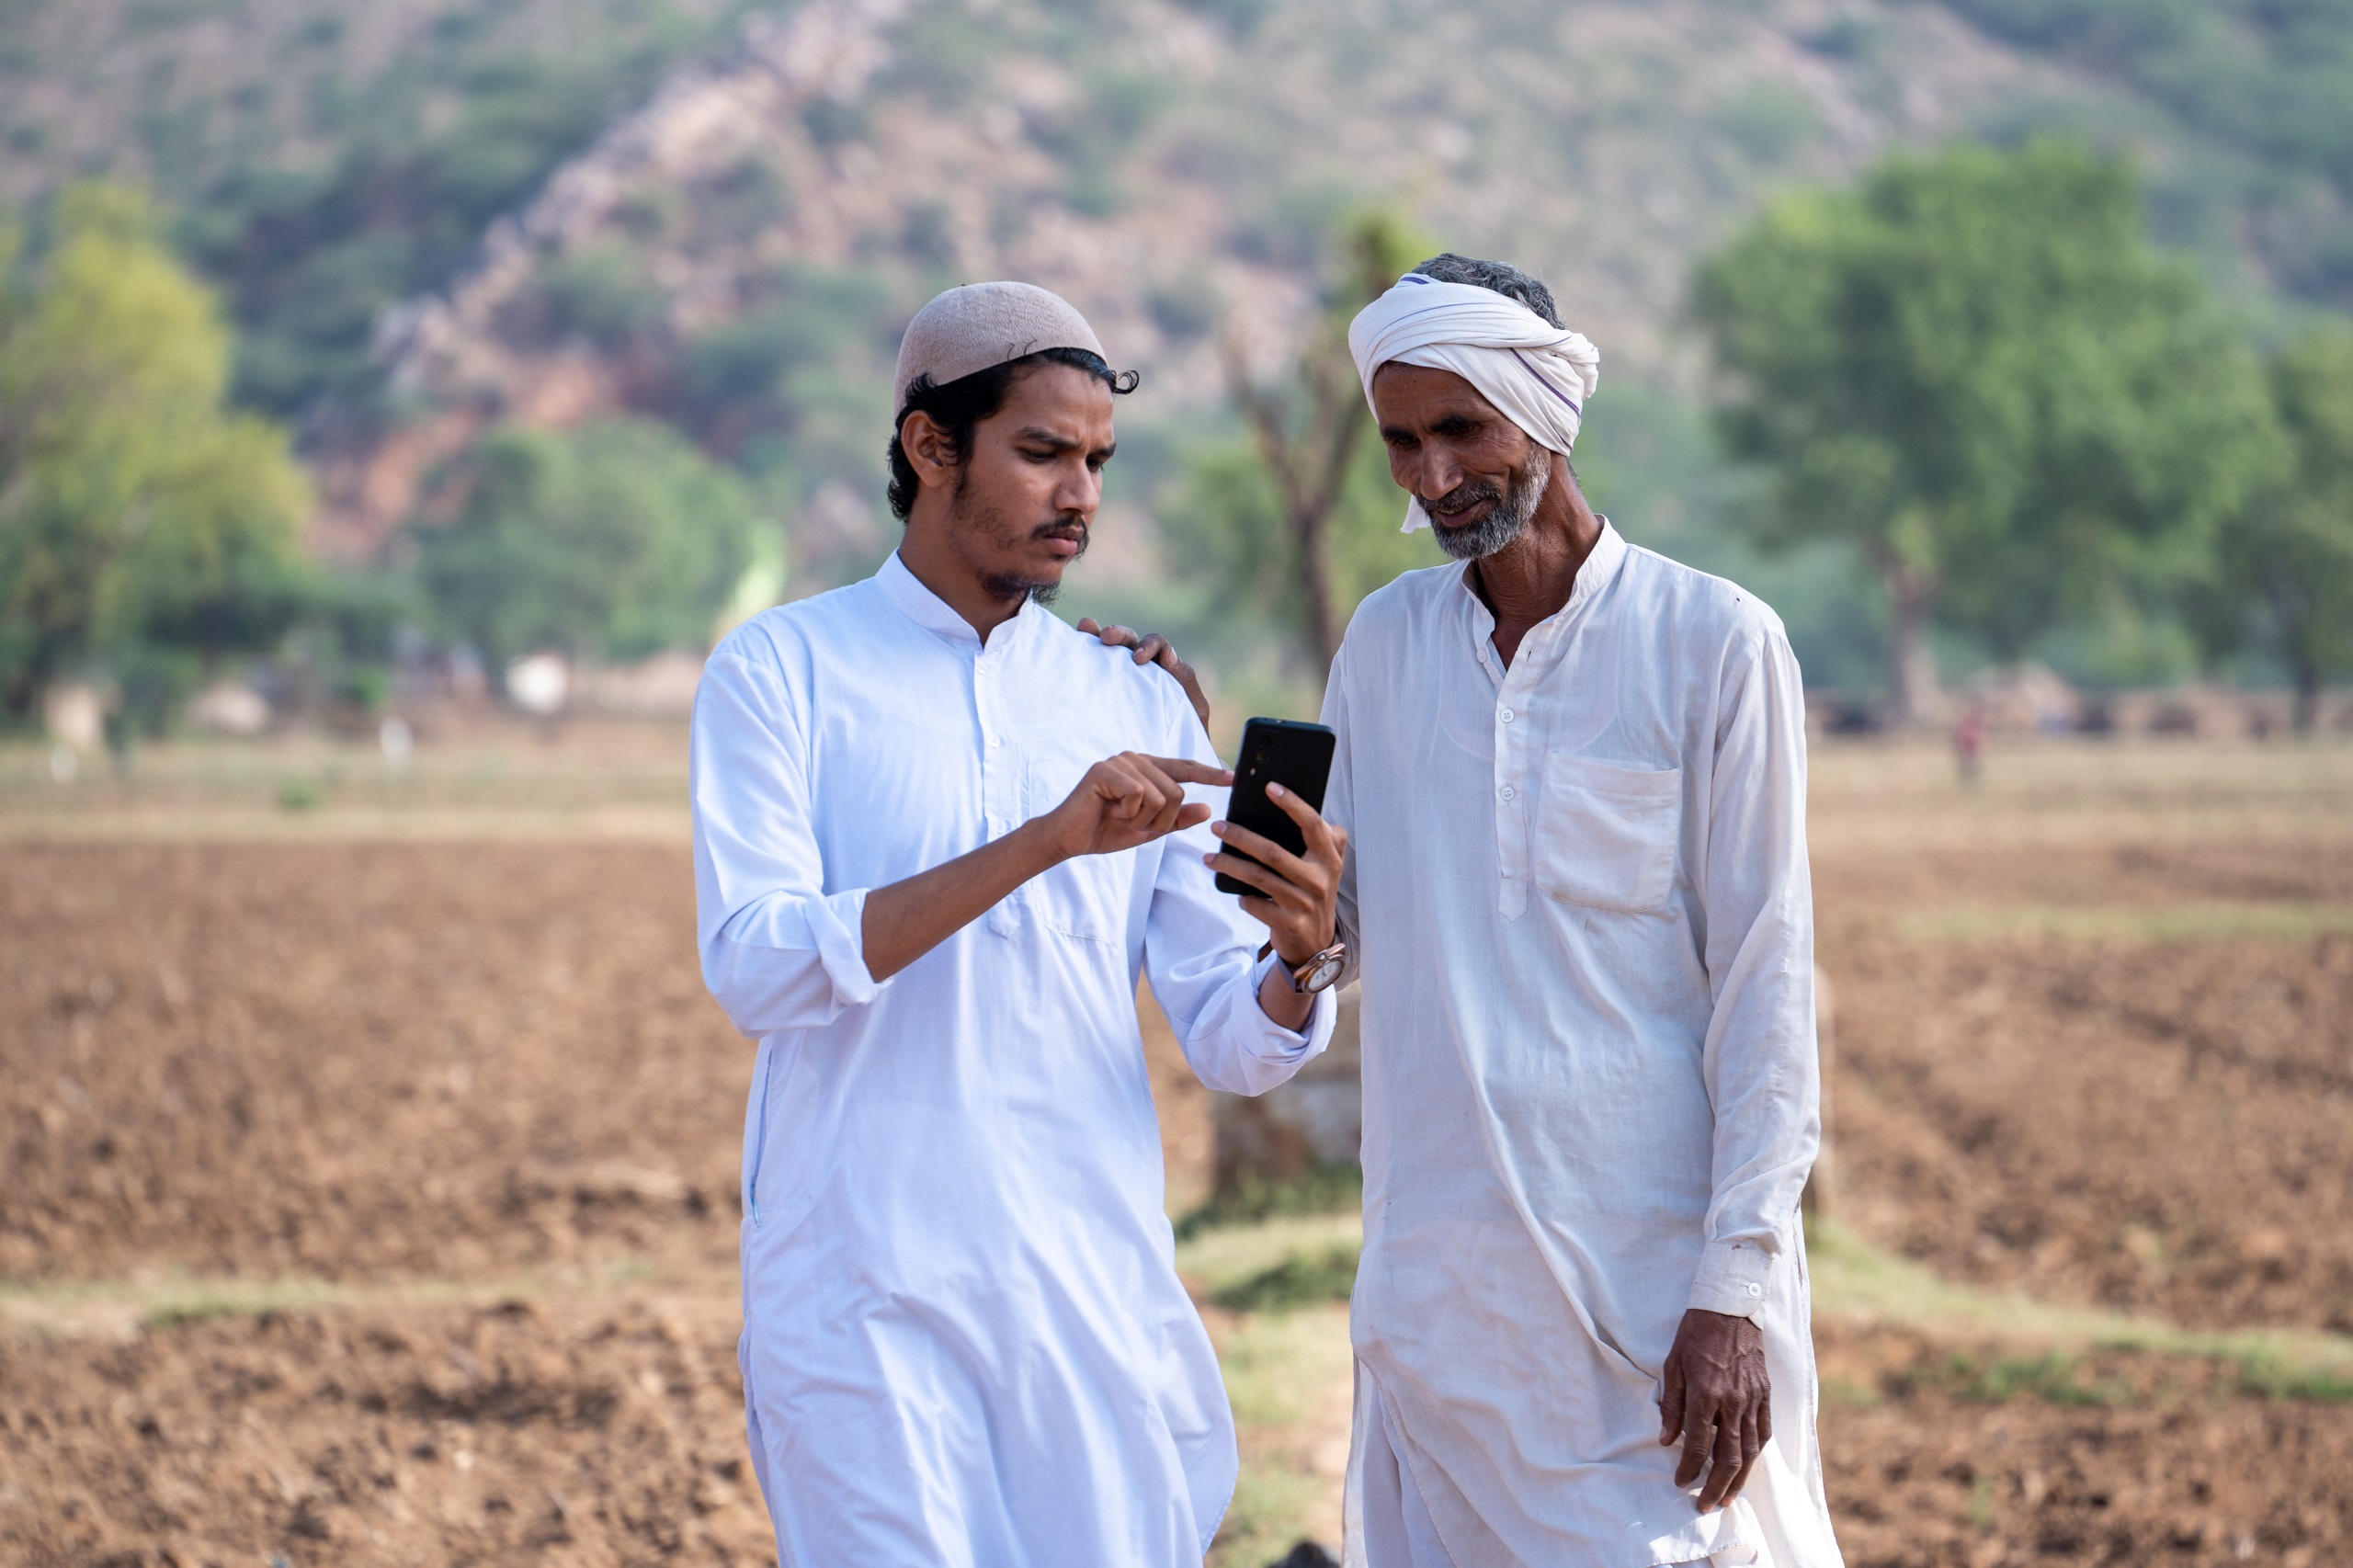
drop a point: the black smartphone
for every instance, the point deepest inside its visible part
(1281, 751)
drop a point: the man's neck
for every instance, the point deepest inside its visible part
(1528, 580)
(925, 553)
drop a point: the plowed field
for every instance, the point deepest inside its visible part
(375, 1202)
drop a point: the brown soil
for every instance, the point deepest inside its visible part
(589, 1431)
(2159, 1126)
(586, 1433)
(359, 1061)
(436, 1063)
(2125, 1459)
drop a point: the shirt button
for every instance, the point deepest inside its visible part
(1510, 791)
(1757, 1290)
(997, 740)
(1505, 715)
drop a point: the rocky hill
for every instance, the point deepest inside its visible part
(435, 217)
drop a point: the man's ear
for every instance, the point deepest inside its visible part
(928, 450)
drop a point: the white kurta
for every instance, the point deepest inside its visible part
(1578, 900)
(964, 1340)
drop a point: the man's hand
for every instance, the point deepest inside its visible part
(1151, 648)
(1125, 800)
(1299, 897)
(1718, 1403)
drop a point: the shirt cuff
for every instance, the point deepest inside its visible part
(1320, 1016)
(839, 924)
(1733, 1278)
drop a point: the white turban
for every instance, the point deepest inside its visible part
(1538, 375)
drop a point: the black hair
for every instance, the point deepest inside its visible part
(1501, 277)
(966, 401)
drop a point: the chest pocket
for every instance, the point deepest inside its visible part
(1605, 835)
(1087, 896)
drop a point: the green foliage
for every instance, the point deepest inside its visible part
(461, 126)
(611, 541)
(1297, 1281)
(1973, 369)
(2260, 94)
(1325, 1189)
(1224, 529)
(2287, 561)
(134, 511)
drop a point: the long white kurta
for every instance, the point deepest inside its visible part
(965, 1339)
(1579, 902)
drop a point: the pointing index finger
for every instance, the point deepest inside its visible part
(1185, 772)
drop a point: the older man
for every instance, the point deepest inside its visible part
(937, 835)
(1573, 773)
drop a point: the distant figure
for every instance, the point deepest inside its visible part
(1968, 743)
(937, 833)
(1575, 775)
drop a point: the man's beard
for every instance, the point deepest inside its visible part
(1505, 519)
(1000, 533)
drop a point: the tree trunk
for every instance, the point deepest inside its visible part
(2307, 708)
(1913, 694)
(1312, 534)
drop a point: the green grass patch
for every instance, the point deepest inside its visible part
(1854, 1280)
(1299, 1280)
(1326, 1189)
(2054, 1378)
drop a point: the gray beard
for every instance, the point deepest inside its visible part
(1504, 521)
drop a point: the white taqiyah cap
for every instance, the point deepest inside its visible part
(981, 325)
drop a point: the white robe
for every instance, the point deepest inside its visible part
(964, 1340)
(1578, 901)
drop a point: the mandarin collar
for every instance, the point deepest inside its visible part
(911, 598)
(1599, 569)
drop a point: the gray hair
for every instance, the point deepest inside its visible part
(1500, 275)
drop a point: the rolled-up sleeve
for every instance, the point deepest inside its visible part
(779, 951)
(1763, 1076)
(1201, 956)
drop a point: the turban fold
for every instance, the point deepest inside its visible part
(1538, 375)
(967, 330)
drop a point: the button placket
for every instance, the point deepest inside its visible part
(1511, 808)
(1001, 804)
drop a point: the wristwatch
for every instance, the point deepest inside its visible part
(1319, 972)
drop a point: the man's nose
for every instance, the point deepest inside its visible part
(1441, 474)
(1080, 493)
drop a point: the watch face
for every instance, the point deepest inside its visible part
(1324, 973)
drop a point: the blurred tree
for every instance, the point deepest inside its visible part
(134, 511)
(1307, 433)
(2287, 561)
(1973, 367)
(613, 541)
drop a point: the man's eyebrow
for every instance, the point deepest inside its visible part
(1396, 433)
(1039, 435)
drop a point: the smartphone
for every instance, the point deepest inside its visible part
(1280, 751)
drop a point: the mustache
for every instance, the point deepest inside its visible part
(1065, 527)
(1461, 498)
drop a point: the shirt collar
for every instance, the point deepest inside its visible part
(911, 598)
(1599, 569)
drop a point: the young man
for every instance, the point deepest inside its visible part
(937, 834)
(1575, 772)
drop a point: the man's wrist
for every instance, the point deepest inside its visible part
(1034, 842)
(1290, 961)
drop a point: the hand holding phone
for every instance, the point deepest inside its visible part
(1280, 855)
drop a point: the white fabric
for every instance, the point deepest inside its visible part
(1384, 1509)
(1538, 375)
(1578, 899)
(965, 1339)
